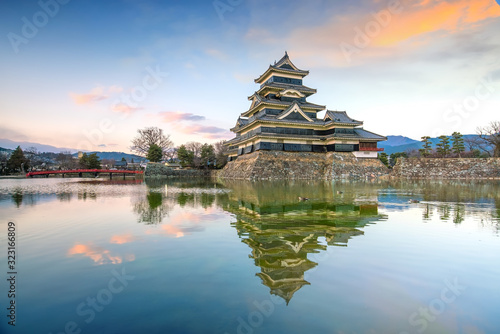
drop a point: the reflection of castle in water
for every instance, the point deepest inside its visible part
(283, 232)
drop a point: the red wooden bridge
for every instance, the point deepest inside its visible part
(80, 172)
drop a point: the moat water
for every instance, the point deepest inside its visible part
(97, 256)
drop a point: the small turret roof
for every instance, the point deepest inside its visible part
(284, 65)
(340, 117)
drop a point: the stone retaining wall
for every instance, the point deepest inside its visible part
(160, 170)
(419, 168)
(269, 165)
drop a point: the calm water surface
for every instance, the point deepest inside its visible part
(239, 257)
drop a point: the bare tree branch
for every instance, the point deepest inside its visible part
(490, 134)
(149, 136)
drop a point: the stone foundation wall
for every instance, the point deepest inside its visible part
(347, 166)
(447, 168)
(269, 165)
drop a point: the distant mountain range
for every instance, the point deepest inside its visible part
(116, 156)
(395, 144)
(9, 145)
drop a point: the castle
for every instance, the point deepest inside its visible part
(281, 119)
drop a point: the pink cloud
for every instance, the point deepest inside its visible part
(209, 132)
(96, 94)
(176, 116)
(124, 109)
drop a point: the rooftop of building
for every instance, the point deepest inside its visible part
(284, 65)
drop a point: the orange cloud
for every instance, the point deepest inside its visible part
(417, 23)
(429, 17)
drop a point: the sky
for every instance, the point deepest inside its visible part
(88, 74)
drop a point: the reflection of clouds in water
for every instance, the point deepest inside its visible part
(99, 255)
(122, 239)
(182, 222)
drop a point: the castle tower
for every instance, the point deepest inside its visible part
(281, 118)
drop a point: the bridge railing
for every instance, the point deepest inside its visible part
(78, 171)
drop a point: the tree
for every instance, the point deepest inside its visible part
(123, 159)
(17, 161)
(185, 157)
(383, 157)
(148, 137)
(443, 147)
(195, 148)
(457, 143)
(395, 156)
(155, 153)
(108, 163)
(207, 155)
(478, 147)
(171, 154)
(90, 161)
(93, 161)
(65, 160)
(490, 135)
(220, 154)
(31, 153)
(427, 148)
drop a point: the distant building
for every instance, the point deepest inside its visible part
(281, 119)
(134, 166)
(121, 164)
(174, 165)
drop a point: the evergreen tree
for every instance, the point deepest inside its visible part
(383, 157)
(17, 161)
(155, 153)
(93, 161)
(457, 143)
(395, 156)
(185, 157)
(426, 150)
(443, 147)
(207, 154)
(83, 161)
(90, 161)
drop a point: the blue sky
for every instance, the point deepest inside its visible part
(94, 72)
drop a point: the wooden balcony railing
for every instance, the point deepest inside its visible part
(371, 149)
